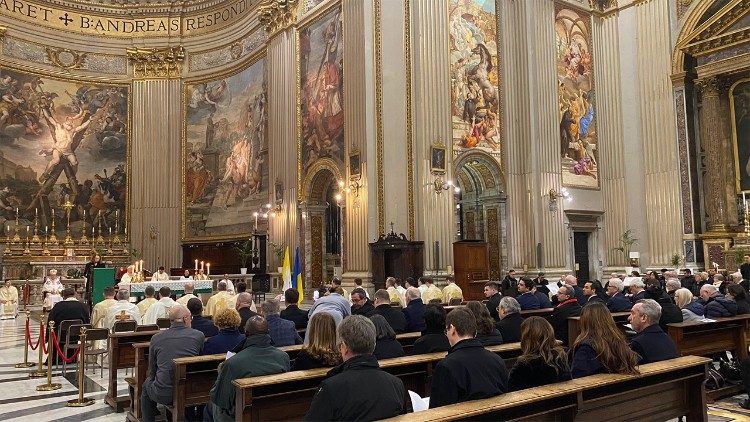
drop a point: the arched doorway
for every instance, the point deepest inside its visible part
(481, 205)
(322, 211)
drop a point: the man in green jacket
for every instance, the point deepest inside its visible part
(255, 357)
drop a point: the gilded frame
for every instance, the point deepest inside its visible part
(302, 24)
(65, 76)
(355, 165)
(438, 159)
(735, 150)
(231, 71)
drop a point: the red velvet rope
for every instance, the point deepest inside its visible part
(60, 353)
(43, 339)
(28, 336)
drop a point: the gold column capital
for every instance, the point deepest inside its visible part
(277, 15)
(156, 63)
(3, 30)
(712, 86)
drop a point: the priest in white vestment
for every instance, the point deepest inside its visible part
(161, 308)
(102, 308)
(229, 283)
(189, 289)
(160, 275)
(186, 276)
(122, 310)
(8, 301)
(128, 276)
(52, 289)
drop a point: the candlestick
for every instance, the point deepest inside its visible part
(68, 206)
(201, 265)
(99, 238)
(196, 265)
(45, 250)
(16, 237)
(53, 235)
(7, 250)
(208, 269)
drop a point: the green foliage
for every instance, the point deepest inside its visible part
(244, 251)
(278, 252)
(626, 240)
(677, 260)
(136, 254)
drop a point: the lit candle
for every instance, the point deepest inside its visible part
(92, 231)
(141, 266)
(53, 213)
(27, 230)
(36, 212)
(201, 265)
(110, 231)
(7, 228)
(196, 265)
(45, 229)
(208, 269)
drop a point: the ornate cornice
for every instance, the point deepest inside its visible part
(603, 5)
(712, 86)
(65, 58)
(277, 15)
(156, 63)
(719, 42)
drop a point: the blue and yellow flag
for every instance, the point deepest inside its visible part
(297, 277)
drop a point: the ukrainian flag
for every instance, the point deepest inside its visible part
(297, 277)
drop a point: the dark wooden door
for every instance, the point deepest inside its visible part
(581, 248)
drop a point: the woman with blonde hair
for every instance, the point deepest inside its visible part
(601, 347)
(543, 361)
(229, 336)
(322, 350)
(692, 310)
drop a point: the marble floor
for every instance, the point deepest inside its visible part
(19, 399)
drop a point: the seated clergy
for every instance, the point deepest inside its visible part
(396, 297)
(178, 341)
(361, 304)
(469, 371)
(123, 310)
(204, 325)
(147, 301)
(218, 301)
(652, 344)
(228, 281)
(340, 397)
(432, 293)
(128, 276)
(282, 332)
(101, 309)
(160, 275)
(394, 316)
(510, 319)
(292, 312)
(52, 289)
(189, 289)
(161, 308)
(8, 301)
(451, 292)
(257, 356)
(186, 276)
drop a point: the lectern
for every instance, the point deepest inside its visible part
(103, 277)
(471, 266)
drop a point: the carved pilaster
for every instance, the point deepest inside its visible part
(277, 15)
(156, 63)
(715, 140)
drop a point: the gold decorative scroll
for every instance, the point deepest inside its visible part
(65, 58)
(276, 15)
(156, 62)
(195, 23)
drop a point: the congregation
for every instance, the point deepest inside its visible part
(351, 333)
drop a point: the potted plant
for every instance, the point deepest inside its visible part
(676, 261)
(626, 240)
(278, 252)
(244, 252)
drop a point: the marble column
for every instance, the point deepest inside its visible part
(714, 135)
(155, 172)
(434, 211)
(282, 135)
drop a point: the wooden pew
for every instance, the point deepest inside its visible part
(674, 387)
(135, 384)
(194, 376)
(121, 356)
(287, 396)
(709, 338)
(574, 324)
(537, 312)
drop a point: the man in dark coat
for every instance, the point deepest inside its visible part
(68, 309)
(244, 303)
(493, 299)
(715, 304)
(510, 320)
(567, 307)
(509, 285)
(526, 298)
(617, 301)
(180, 340)
(204, 325)
(361, 304)
(394, 316)
(652, 344)
(688, 282)
(591, 294)
(340, 398)
(414, 311)
(577, 292)
(469, 371)
(292, 312)
(255, 357)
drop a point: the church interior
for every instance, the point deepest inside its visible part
(276, 156)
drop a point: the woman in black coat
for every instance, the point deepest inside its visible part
(322, 352)
(433, 337)
(670, 313)
(486, 331)
(737, 292)
(543, 361)
(386, 345)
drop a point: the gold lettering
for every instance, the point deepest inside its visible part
(128, 27)
(113, 25)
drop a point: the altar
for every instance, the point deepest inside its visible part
(176, 286)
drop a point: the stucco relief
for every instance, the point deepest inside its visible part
(36, 53)
(215, 58)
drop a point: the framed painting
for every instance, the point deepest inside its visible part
(437, 158)
(64, 144)
(355, 166)
(225, 153)
(739, 100)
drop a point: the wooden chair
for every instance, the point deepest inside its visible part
(61, 330)
(455, 301)
(163, 323)
(92, 335)
(71, 340)
(124, 326)
(149, 327)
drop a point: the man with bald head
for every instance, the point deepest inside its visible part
(256, 356)
(572, 281)
(180, 340)
(245, 307)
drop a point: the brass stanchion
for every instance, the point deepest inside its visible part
(26, 363)
(39, 373)
(81, 401)
(49, 386)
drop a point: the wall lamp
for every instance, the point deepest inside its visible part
(553, 194)
(440, 185)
